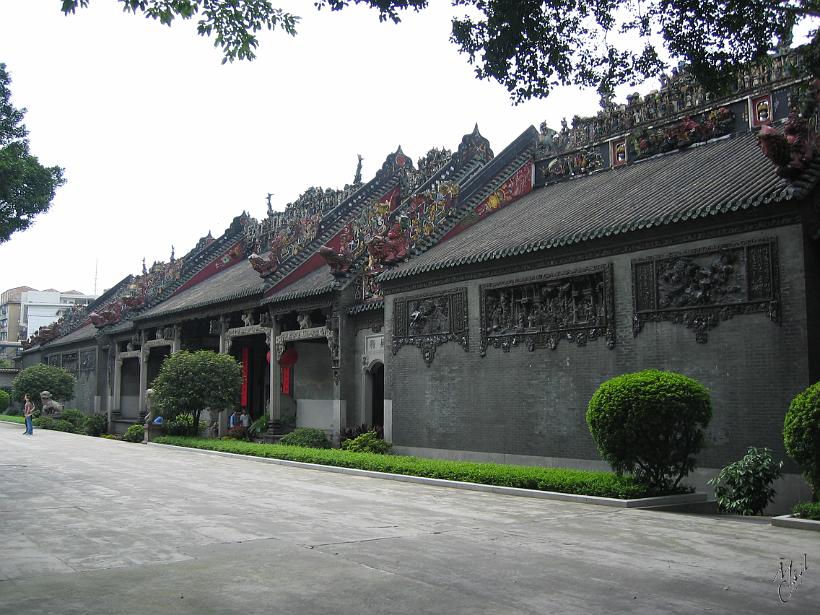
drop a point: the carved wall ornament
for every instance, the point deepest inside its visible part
(430, 321)
(88, 360)
(700, 288)
(577, 306)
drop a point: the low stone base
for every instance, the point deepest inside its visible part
(796, 523)
(152, 432)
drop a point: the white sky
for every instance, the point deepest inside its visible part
(161, 142)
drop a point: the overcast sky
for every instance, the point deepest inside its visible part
(161, 143)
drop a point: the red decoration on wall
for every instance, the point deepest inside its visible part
(285, 380)
(245, 362)
(230, 258)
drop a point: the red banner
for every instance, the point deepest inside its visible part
(245, 361)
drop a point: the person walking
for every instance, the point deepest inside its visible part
(28, 412)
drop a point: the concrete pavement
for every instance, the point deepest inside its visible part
(89, 525)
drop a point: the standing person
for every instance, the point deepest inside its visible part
(245, 419)
(233, 420)
(28, 412)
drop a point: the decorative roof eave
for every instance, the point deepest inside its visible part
(370, 306)
(789, 193)
(245, 294)
(303, 294)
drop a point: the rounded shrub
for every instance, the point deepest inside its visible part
(368, 442)
(801, 435)
(38, 378)
(5, 400)
(307, 437)
(95, 425)
(135, 433)
(650, 424)
(181, 425)
(75, 417)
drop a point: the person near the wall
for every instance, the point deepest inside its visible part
(28, 412)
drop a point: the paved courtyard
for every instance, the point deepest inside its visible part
(96, 526)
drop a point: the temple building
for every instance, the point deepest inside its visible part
(471, 303)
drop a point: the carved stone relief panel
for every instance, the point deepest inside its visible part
(54, 360)
(88, 360)
(71, 363)
(700, 288)
(577, 306)
(430, 321)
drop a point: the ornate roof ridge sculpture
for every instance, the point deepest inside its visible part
(679, 97)
(794, 148)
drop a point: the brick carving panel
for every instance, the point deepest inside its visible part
(430, 321)
(577, 306)
(701, 288)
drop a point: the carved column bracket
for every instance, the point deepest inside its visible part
(430, 321)
(577, 306)
(701, 288)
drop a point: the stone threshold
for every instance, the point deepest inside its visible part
(655, 502)
(796, 523)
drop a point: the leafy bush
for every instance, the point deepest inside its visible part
(801, 435)
(5, 401)
(307, 437)
(260, 425)
(38, 378)
(48, 422)
(237, 433)
(354, 432)
(135, 433)
(13, 412)
(368, 442)
(75, 417)
(650, 424)
(604, 484)
(181, 425)
(807, 510)
(189, 382)
(95, 425)
(745, 486)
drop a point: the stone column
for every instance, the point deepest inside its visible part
(176, 343)
(275, 401)
(143, 359)
(117, 387)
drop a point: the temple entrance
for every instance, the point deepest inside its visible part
(252, 352)
(156, 356)
(376, 378)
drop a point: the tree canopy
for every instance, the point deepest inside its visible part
(26, 187)
(38, 378)
(189, 382)
(532, 46)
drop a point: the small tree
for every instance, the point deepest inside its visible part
(189, 382)
(650, 424)
(745, 486)
(38, 378)
(801, 435)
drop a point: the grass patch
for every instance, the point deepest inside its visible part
(12, 419)
(807, 510)
(580, 482)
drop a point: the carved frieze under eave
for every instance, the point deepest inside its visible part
(701, 288)
(577, 306)
(429, 321)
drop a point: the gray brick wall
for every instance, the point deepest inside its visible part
(534, 403)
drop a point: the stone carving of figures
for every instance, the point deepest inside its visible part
(304, 320)
(247, 318)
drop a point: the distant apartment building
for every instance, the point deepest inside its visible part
(23, 310)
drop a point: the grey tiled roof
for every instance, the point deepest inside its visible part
(85, 333)
(316, 282)
(725, 175)
(234, 283)
(370, 306)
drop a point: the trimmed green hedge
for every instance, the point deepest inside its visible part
(12, 419)
(605, 484)
(807, 510)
